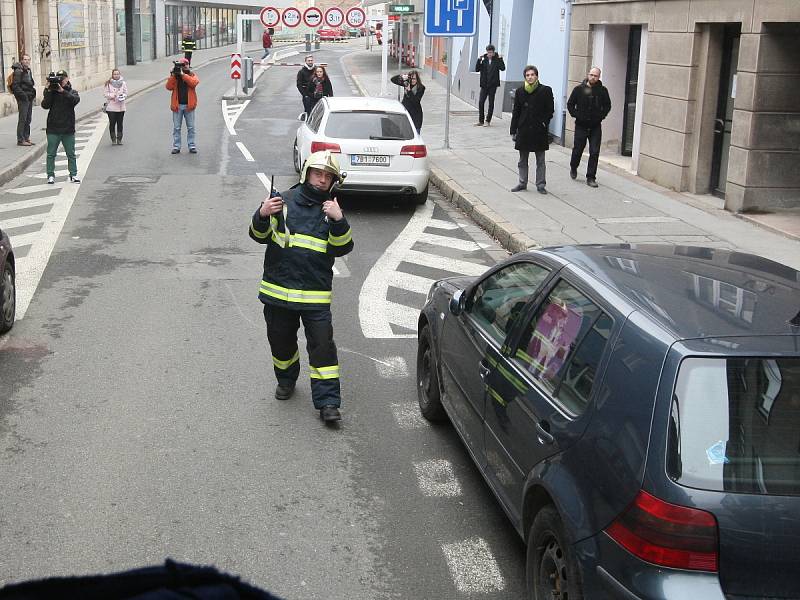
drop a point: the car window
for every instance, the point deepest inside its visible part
(499, 298)
(562, 345)
(373, 125)
(735, 425)
(315, 117)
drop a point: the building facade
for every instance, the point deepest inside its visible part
(703, 92)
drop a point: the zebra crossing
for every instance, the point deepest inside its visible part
(429, 248)
(33, 213)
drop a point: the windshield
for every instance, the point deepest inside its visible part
(370, 125)
(735, 425)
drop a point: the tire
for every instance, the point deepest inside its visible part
(296, 157)
(552, 571)
(422, 197)
(8, 298)
(428, 394)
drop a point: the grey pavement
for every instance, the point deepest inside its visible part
(478, 170)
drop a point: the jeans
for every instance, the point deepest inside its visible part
(24, 121)
(68, 141)
(266, 53)
(115, 123)
(595, 136)
(308, 104)
(177, 118)
(490, 94)
(522, 167)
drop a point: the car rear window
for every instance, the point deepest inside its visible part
(369, 125)
(735, 425)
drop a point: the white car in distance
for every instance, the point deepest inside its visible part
(375, 141)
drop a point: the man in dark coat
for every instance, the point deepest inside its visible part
(24, 93)
(304, 76)
(489, 66)
(588, 104)
(60, 100)
(533, 109)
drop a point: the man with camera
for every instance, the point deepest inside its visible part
(60, 100)
(182, 83)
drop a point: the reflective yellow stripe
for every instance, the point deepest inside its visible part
(297, 240)
(530, 360)
(331, 372)
(497, 397)
(300, 296)
(341, 240)
(508, 375)
(258, 234)
(285, 364)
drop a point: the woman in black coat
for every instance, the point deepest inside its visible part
(412, 99)
(533, 109)
(318, 86)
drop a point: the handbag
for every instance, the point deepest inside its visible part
(105, 105)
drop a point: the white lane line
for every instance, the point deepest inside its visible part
(394, 367)
(407, 281)
(408, 416)
(340, 269)
(439, 224)
(23, 221)
(264, 180)
(230, 113)
(34, 201)
(437, 478)
(452, 265)
(59, 173)
(450, 242)
(245, 152)
(633, 220)
(473, 567)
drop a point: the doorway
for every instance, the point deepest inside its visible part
(631, 89)
(723, 121)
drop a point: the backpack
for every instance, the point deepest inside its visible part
(10, 81)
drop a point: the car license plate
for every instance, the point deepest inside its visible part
(377, 160)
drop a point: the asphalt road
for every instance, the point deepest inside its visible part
(137, 418)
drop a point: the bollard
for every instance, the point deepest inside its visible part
(247, 75)
(308, 42)
(316, 42)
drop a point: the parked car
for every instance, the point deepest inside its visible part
(636, 411)
(376, 142)
(8, 286)
(331, 34)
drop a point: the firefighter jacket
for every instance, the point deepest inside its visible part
(298, 263)
(188, 46)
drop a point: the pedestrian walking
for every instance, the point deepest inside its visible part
(60, 100)
(24, 91)
(489, 66)
(305, 231)
(530, 119)
(116, 91)
(412, 98)
(188, 46)
(589, 103)
(182, 83)
(319, 86)
(266, 42)
(304, 75)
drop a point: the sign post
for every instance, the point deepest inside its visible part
(385, 56)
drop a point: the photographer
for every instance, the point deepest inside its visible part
(60, 99)
(181, 82)
(412, 98)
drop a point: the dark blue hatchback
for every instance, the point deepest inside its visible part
(636, 411)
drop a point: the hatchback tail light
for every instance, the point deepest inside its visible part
(667, 534)
(318, 146)
(414, 151)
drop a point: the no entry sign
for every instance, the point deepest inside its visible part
(334, 16)
(269, 16)
(356, 17)
(291, 17)
(236, 66)
(312, 17)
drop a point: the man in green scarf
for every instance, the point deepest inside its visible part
(530, 118)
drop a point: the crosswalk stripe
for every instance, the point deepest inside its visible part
(24, 239)
(46, 201)
(443, 263)
(22, 221)
(440, 224)
(402, 315)
(59, 173)
(34, 189)
(451, 242)
(407, 281)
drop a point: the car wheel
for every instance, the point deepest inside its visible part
(430, 404)
(552, 571)
(422, 197)
(8, 298)
(296, 157)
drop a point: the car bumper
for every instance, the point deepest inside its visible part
(366, 182)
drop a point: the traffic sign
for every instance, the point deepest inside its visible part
(236, 66)
(269, 16)
(312, 17)
(291, 17)
(334, 16)
(451, 18)
(401, 8)
(355, 17)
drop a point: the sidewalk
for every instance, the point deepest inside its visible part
(480, 167)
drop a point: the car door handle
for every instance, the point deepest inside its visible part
(483, 371)
(544, 436)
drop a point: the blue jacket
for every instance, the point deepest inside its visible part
(298, 270)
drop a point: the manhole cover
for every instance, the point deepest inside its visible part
(132, 179)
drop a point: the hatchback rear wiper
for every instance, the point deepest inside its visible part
(384, 137)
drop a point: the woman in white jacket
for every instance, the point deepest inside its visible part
(116, 91)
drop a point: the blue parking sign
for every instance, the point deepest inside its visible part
(446, 18)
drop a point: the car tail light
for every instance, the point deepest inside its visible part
(667, 534)
(318, 146)
(414, 151)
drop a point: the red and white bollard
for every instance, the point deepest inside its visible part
(413, 56)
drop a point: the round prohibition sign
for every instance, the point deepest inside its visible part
(356, 16)
(312, 17)
(291, 17)
(334, 16)
(269, 16)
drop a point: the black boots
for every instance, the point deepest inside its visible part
(329, 413)
(284, 391)
(116, 141)
(119, 140)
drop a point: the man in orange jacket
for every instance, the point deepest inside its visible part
(182, 82)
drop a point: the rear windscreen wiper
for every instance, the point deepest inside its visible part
(385, 137)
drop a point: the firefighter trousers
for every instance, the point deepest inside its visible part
(323, 364)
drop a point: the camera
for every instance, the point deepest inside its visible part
(177, 67)
(54, 81)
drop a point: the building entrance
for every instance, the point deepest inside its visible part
(723, 121)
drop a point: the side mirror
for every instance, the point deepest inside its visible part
(457, 303)
(302, 117)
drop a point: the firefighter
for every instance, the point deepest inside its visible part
(188, 45)
(304, 230)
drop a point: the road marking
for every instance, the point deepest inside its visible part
(408, 416)
(437, 478)
(23, 221)
(611, 220)
(443, 263)
(245, 152)
(407, 281)
(439, 224)
(394, 367)
(231, 112)
(449, 242)
(473, 567)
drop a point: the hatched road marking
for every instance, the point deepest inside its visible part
(473, 566)
(408, 416)
(437, 478)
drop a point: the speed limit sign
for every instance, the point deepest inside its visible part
(334, 16)
(356, 17)
(269, 16)
(291, 17)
